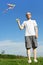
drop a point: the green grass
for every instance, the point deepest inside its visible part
(20, 61)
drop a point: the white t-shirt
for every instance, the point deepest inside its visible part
(30, 27)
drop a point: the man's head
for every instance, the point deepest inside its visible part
(28, 15)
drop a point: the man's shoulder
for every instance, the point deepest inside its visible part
(25, 21)
(29, 20)
(33, 20)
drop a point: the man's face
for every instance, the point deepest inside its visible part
(28, 16)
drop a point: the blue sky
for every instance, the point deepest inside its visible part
(9, 29)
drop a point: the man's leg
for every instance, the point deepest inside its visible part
(28, 47)
(35, 56)
(28, 55)
(34, 45)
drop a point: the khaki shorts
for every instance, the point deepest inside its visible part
(30, 42)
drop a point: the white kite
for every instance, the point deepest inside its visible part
(10, 6)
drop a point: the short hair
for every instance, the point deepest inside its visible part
(28, 13)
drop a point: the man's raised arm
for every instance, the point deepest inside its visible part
(20, 26)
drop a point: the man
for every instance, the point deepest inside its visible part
(31, 35)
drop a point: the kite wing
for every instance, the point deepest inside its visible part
(10, 6)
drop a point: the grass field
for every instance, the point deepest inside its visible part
(20, 61)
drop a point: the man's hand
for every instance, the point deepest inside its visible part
(18, 21)
(36, 36)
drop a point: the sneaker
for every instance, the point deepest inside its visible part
(35, 60)
(29, 61)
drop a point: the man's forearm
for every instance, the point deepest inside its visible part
(20, 26)
(36, 32)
